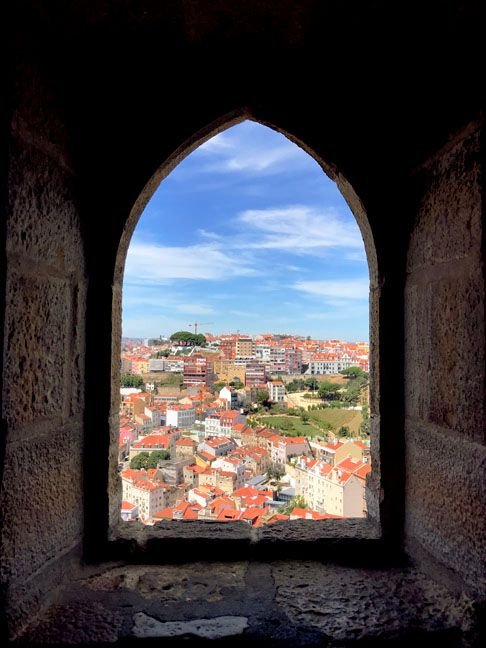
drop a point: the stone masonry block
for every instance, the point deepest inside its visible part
(444, 360)
(38, 114)
(446, 500)
(43, 508)
(36, 343)
(417, 350)
(43, 222)
(78, 336)
(449, 216)
(456, 339)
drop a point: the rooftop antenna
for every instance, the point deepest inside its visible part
(196, 324)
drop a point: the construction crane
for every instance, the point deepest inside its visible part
(196, 324)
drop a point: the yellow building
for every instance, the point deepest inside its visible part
(227, 371)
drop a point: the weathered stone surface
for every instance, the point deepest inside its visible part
(446, 500)
(78, 347)
(43, 223)
(313, 531)
(28, 597)
(352, 605)
(224, 626)
(42, 513)
(456, 361)
(205, 531)
(36, 380)
(445, 370)
(298, 603)
(172, 583)
(89, 137)
(82, 623)
(448, 225)
(38, 117)
(445, 360)
(417, 359)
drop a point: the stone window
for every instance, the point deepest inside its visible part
(281, 538)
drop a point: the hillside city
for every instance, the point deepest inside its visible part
(264, 428)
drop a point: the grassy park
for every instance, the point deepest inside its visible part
(320, 421)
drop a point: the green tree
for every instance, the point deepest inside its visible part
(261, 396)
(285, 425)
(304, 417)
(328, 391)
(131, 380)
(191, 339)
(312, 383)
(140, 461)
(365, 427)
(296, 502)
(354, 372)
(165, 353)
(156, 456)
(275, 470)
(344, 431)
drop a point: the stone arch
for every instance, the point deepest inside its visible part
(355, 204)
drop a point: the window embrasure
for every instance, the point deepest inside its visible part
(244, 400)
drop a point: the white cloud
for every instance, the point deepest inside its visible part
(209, 235)
(194, 309)
(240, 313)
(338, 288)
(217, 144)
(301, 229)
(159, 264)
(237, 152)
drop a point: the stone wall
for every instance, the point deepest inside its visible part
(445, 367)
(43, 385)
(106, 101)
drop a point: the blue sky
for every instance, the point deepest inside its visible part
(247, 234)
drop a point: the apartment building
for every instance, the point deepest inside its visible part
(276, 391)
(222, 423)
(231, 465)
(153, 442)
(326, 364)
(228, 371)
(216, 447)
(337, 490)
(255, 374)
(245, 348)
(148, 494)
(283, 448)
(229, 396)
(180, 416)
(197, 371)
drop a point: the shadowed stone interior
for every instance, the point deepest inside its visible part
(101, 101)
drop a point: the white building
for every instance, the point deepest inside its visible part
(156, 364)
(230, 397)
(324, 364)
(332, 489)
(129, 511)
(276, 391)
(217, 446)
(222, 423)
(180, 416)
(285, 447)
(154, 414)
(233, 465)
(146, 493)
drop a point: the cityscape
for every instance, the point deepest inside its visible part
(220, 421)
(261, 428)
